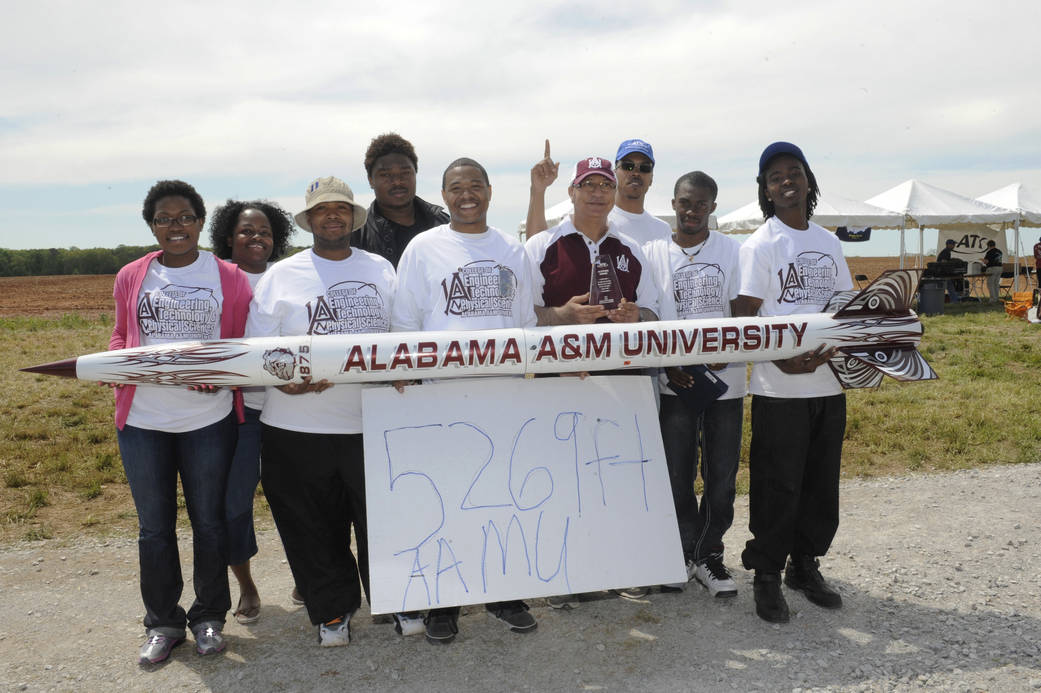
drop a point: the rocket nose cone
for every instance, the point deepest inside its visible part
(66, 368)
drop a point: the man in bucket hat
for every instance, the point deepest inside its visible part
(315, 497)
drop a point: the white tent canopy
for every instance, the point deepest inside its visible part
(927, 205)
(1024, 203)
(1019, 199)
(831, 212)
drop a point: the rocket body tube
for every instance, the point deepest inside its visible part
(373, 357)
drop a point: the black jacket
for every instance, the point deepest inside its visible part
(384, 237)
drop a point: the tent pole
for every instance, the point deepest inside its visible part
(1015, 266)
(902, 250)
(921, 247)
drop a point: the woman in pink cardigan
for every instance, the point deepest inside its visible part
(179, 293)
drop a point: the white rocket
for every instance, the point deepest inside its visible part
(875, 332)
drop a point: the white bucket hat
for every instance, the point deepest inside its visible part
(329, 189)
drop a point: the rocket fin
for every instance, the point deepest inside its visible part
(853, 373)
(889, 295)
(903, 363)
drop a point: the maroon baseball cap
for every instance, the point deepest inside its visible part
(594, 165)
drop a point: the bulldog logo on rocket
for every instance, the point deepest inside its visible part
(279, 363)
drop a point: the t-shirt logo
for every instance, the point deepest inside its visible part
(810, 280)
(698, 290)
(178, 312)
(349, 307)
(622, 263)
(481, 288)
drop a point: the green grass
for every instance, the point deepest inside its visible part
(61, 472)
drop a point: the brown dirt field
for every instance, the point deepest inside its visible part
(92, 294)
(57, 295)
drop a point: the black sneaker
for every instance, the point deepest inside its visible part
(769, 602)
(441, 626)
(514, 614)
(803, 573)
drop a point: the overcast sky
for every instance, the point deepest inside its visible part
(255, 99)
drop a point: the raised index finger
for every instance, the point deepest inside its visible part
(547, 149)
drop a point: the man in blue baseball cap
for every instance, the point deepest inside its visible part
(634, 169)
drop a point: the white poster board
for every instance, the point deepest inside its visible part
(491, 489)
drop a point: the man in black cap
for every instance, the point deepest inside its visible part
(790, 266)
(397, 215)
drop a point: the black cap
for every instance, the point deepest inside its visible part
(778, 148)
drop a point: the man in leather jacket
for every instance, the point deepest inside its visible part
(396, 216)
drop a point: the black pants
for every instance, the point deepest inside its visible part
(794, 464)
(315, 485)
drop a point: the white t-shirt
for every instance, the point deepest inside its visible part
(459, 281)
(253, 397)
(793, 271)
(642, 228)
(178, 304)
(699, 283)
(307, 294)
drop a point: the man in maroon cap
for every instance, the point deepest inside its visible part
(563, 258)
(564, 255)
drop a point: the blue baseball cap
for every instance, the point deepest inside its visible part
(634, 147)
(778, 148)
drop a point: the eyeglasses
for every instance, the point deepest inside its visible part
(591, 185)
(183, 220)
(645, 167)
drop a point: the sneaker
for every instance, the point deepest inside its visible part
(441, 627)
(335, 633)
(208, 637)
(769, 602)
(409, 623)
(563, 601)
(632, 593)
(514, 614)
(157, 647)
(803, 573)
(711, 573)
(678, 586)
(295, 597)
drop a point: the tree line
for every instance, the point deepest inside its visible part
(47, 261)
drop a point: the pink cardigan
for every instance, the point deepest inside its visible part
(125, 334)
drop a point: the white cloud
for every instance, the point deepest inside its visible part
(874, 92)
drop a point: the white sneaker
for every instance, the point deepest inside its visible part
(711, 573)
(678, 586)
(409, 623)
(335, 633)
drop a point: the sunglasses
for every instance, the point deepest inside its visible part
(645, 167)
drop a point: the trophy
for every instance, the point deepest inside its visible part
(604, 289)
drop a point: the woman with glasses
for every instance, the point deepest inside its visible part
(178, 293)
(251, 235)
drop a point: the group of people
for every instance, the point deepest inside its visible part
(406, 264)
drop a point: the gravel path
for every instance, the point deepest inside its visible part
(940, 576)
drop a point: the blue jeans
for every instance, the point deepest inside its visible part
(153, 460)
(242, 488)
(714, 436)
